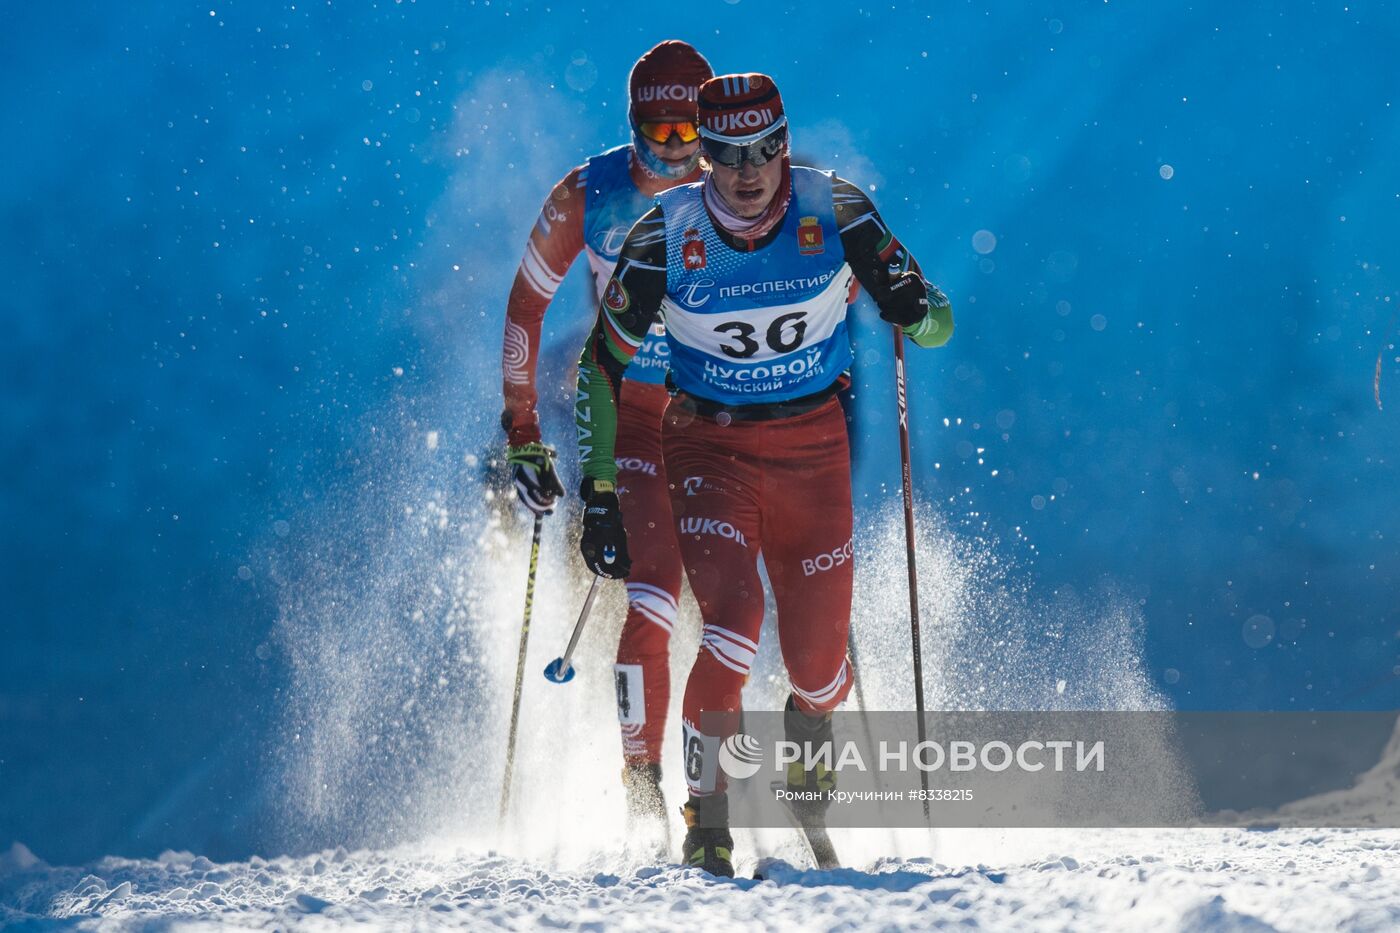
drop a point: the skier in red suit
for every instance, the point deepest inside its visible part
(751, 270)
(590, 211)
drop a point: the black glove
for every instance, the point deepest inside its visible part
(905, 302)
(532, 472)
(604, 542)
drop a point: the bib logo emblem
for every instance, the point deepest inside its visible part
(688, 296)
(615, 296)
(693, 252)
(610, 243)
(809, 237)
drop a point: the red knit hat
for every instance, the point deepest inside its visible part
(665, 81)
(739, 105)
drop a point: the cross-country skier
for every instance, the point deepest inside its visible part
(590, 211)
(750, 268)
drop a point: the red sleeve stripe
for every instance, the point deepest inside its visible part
(537, 272)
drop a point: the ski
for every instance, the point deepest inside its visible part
(813, 833)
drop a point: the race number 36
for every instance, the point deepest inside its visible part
(784, 335)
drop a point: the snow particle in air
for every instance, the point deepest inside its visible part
(1171, 675)
(984, 241)
(1166, 171)
(366, 85)
(1258, 631)
(281, 528)
(245, 573)
(1098, 322)
(1038, 502)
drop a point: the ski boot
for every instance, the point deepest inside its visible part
(811, 785)
(708, 845)
(814, 731)
(646, 808)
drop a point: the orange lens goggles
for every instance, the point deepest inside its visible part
(661, 132)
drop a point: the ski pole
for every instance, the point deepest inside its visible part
(856, 672)
(520, 666)
(560, 671)
(908, 481)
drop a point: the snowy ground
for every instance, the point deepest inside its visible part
(1024, 880)
(559, 865)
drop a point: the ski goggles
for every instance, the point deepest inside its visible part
(756, 149)
(661, 132)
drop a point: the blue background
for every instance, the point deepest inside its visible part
(233, 232)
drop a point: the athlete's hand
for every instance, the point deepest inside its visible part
(532, 472)
(905, 302)
(604, 542)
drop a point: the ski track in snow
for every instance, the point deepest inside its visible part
(1201, 879)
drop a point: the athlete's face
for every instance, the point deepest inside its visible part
(673, 152)
(749, 188)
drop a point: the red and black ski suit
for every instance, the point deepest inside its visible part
(771, 479)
